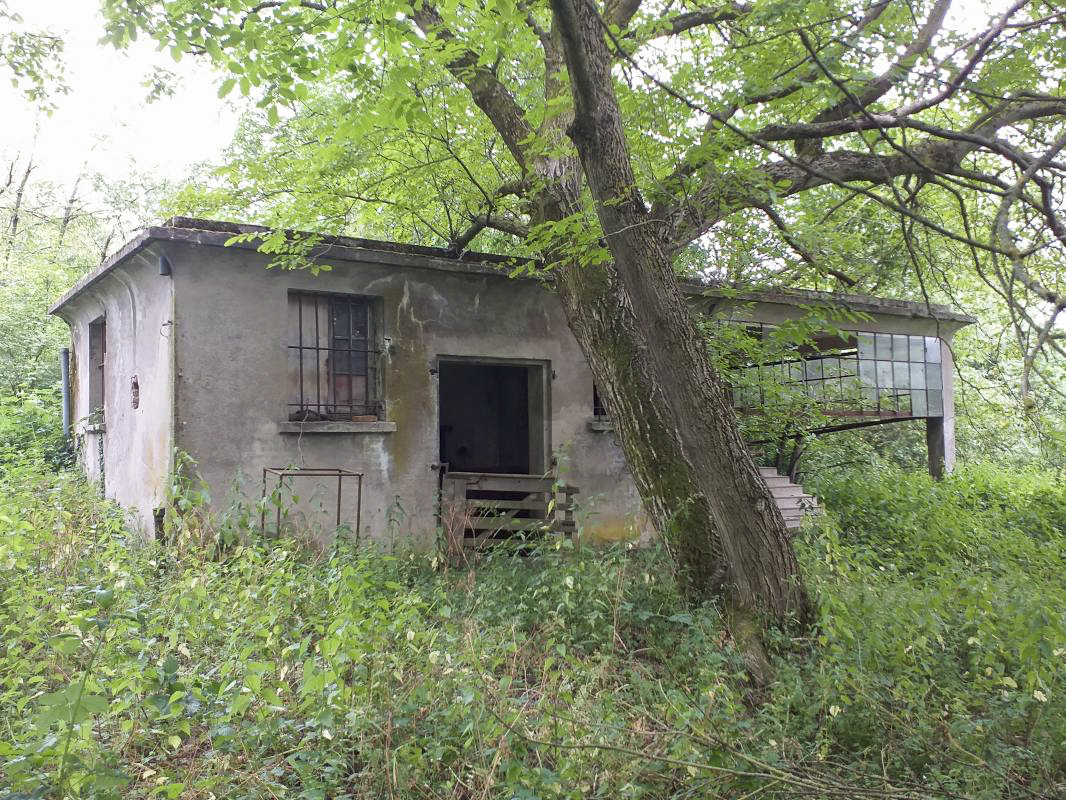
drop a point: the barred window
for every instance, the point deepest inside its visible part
(333, 357)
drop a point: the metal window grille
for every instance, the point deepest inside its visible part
(599, 410)
(879, 375)
(97, 364)
(333, 357)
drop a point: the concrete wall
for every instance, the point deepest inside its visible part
(232, 332)
(210, 349)
(128, 451)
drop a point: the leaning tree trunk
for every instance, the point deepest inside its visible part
(695, 474)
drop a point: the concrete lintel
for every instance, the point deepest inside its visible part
(336, 427)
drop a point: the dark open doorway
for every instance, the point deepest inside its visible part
(492, 416)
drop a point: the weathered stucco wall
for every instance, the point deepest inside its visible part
(129, 453)
(232, 333)
(209, 346)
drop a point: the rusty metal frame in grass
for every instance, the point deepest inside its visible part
(313, 472)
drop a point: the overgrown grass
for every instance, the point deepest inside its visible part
(936, 668)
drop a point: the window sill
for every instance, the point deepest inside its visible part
(378, 426)
(600, 425)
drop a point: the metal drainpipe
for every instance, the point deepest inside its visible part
(64, 372)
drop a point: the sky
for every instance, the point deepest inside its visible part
(104, 120)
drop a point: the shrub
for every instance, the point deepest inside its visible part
(935, 669)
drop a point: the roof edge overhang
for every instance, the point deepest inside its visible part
(211, 233)
(866, 304)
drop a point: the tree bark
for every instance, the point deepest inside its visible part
(676, 425)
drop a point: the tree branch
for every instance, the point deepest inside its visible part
(800, 249)
(876, 88)
(489, 94)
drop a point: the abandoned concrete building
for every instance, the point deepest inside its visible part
(403, 375)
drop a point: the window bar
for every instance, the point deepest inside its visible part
(351, 356)
(300, 348)
(318, 361)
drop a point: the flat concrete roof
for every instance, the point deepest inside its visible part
(211, 233)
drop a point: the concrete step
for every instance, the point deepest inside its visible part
(803, 502)
(794, 503)
(777, 480)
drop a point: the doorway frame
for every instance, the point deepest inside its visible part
(538, 399)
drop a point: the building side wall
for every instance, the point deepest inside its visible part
(232, 382)
(127, 451)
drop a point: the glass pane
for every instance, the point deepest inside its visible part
(341, 321)
(359, 318)
(936, 403)
(917, 349)
(868, 373)
(884, 374)
(795, 371)
(901, 374)
(899, 347)
(358, 361)
(884, 346)
(918, 405)
(869, 398)
(866, 345)
(934, 378)
(932, 349)
(918, 375)
(849, 367)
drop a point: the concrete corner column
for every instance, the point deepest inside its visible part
(940, 431)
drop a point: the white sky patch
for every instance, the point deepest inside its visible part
(104, 121)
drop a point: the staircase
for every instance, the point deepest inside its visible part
(794, 503)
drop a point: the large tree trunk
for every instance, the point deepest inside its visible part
(678, 430)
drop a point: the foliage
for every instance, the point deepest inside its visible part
(140, 670)
(33, 58)
(31, 428)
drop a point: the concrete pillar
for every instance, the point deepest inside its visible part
(940, 431)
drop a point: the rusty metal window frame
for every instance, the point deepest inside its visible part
(878, 375)
(343, 348)
(97, 360)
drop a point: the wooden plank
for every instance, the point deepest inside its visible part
(504, 483)
(453, 509)
(802, 502)
(792, 490)
(522, 505)
(505, 524)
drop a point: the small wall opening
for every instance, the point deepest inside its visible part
(97, 364)
(492, 417)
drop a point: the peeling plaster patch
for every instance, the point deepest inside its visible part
(406, 307)
(378, 286)
(428, 296)
(380, 455)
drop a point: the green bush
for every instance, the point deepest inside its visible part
(138, 671)
(31, 428)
